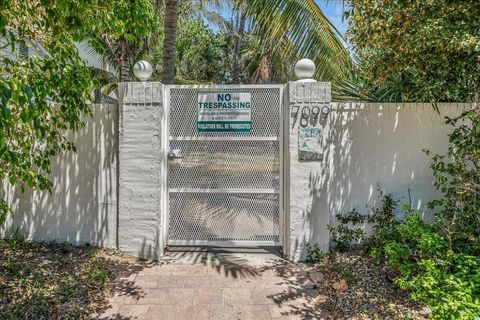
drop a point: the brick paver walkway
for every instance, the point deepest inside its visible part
(228, 288)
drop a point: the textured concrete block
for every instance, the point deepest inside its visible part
(310, 92)
(140, 175)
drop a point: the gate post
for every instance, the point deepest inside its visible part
(306, 221)
(142, 178)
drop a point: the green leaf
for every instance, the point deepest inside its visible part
(2, 141)
(28, 91)
(12, 40)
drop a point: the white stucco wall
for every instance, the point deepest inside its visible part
(82, 207)
(363, 145)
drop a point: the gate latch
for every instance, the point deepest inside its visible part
(175, 154)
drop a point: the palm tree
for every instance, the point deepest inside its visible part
(241, 20)
(170, 29)
(298, 28)
(301, 23)
(118, 53)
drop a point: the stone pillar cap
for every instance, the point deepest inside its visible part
(142, 70)
(305, 70)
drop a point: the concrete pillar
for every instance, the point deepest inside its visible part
(307, 222)
(142, 177)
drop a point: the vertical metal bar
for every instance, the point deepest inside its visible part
(285, 123)
(166, 146)
(281, 161)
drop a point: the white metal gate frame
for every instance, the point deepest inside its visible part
(283, 146)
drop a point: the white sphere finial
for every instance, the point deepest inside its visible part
(305, 70)
(142, 70)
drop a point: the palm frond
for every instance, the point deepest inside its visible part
(355, 85)
(351, 87)
(107, 53)
(218, 20)
(210, 11)
(104, 80)
(305, 26)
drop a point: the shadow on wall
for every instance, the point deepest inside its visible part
(150, 250)
(82, 207)
(366, 145)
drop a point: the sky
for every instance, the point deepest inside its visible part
(333, 10)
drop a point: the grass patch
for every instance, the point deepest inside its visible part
(53, 281)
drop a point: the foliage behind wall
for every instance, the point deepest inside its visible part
(423, 51)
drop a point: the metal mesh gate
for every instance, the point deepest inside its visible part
(226, 188)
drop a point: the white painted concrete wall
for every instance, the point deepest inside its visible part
(364, 145)
(142, 180)
(82, 207)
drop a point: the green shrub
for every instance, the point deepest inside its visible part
(448, 282)
(450, 286)
(420, 256)
(425, 265)
(457, 175)
(345, 232)
(314, 254)
(15, 241)
(383, 220)
(351, 225)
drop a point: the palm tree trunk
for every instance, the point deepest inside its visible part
(170, 27)
(124, 71)
(265, 72)
(237, 50)
(124, 60)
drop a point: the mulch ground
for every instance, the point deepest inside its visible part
(55, 281)
(352, 286)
